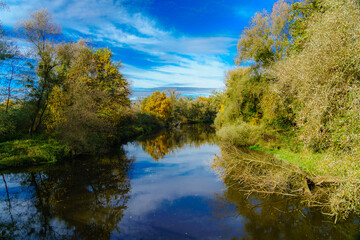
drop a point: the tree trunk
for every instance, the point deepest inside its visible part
(9, 87)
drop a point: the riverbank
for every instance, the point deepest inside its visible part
(42, 149)
(31, 152)
(328, 180)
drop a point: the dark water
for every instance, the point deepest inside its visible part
(158, 188)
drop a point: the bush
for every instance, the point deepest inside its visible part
(242, 134)
(24, 153)
(14, 122)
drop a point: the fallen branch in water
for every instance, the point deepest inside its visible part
(267, 192)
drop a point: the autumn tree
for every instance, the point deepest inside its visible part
(158, 105)
(40, 30)
(92, 100)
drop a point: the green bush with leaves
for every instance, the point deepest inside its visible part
(25, 153)
(14, 120)
(321, 81)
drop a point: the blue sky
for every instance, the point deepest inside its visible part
(161, 43)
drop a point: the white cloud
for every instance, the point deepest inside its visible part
(192, 61)
(201, 71)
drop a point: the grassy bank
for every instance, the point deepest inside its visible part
(328, 164)
(277, 164)
(31, 152)
(337, 175)
(44, 150)
(305, 160)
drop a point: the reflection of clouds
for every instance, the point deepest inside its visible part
(23, 211)
(188, 218)
(176, 176)
(172, 198)
(148, 193)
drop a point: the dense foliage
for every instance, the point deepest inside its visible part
(158, 105)
(301, 91)
(93, 95)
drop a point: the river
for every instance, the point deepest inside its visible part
(158, 187)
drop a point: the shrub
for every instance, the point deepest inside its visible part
(24, 153)
(241, 134)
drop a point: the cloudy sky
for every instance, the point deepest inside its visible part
(161, 43)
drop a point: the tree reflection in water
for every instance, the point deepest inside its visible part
(273, 216)
(87, 198)
(168, 141)
(83, 199)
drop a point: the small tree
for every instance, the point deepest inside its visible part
(40, 30)
(267, 38)
(11, 73)
(157, 104)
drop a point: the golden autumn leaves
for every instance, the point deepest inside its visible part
(158, 105)
(92, 83)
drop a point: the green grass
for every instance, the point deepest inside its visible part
(30, 152)
(286, 148)
(305, 160)
(325, 164)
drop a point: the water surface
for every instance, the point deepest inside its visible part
(159, 187)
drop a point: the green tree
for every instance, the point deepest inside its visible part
(267, 38)
(301, 13)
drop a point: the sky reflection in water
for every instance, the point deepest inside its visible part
(172, 198)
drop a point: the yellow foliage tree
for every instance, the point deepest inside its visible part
(90, 105)
(58, 101)
(157, 104)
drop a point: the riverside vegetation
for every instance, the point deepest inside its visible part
(297, 98)
(294, 95)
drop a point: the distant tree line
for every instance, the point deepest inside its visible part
(172, 108)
